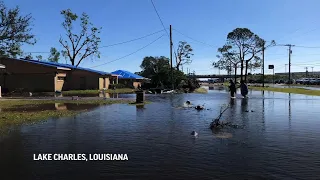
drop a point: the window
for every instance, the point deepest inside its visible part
(61, 78)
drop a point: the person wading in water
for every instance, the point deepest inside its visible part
(244, 89)
(232, 88)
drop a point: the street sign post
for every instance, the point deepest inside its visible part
(272, 67)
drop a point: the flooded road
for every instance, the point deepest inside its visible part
(279, 140)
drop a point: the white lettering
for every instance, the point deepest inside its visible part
(42, 157)
(108, 157)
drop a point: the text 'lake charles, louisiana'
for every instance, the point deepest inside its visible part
(80, 157)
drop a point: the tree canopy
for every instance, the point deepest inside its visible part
(242, 46)
(79, 46)
(15, 30)
(158, 70)
(184, 53)
(54, 55)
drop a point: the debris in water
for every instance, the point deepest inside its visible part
(252, 111)
(193, 133)
(199, 107)
(246, 111)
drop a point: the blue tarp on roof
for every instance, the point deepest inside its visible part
(54, 64)
(127, 75)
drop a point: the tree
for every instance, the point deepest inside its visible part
(15, 30)
(87, 40)
(28, 57)
(228, 59)
(158, 70)
(245, 44)
(54, 55)
(39, 57)
(184, 53)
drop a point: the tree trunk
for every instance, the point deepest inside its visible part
(241, 70)
(235, 74)
(245, 75)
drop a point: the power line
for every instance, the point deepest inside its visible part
(160, 18)
(195, 39)
(128, 41)
(132, 39)
(130, 53)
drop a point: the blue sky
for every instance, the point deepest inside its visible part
(209, 21)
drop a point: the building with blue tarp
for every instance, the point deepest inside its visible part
(129, 79)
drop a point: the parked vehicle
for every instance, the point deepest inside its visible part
(313, 81)
(302, 81)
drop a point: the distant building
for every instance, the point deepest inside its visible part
(129, 79)
(32, 75)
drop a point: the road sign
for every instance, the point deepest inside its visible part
(271, 66)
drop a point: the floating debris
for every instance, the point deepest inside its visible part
(193, 133)
(199, 107)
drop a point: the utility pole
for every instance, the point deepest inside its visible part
(172, 86)
(263, 63)
(312, 71)
(290, 52)
(306, 71)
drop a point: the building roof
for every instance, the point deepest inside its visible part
(60, 65)
(2, 66)
(127, 75)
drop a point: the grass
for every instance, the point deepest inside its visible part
(96, 92)
(288, 90)
(10, 119)
(201, 90)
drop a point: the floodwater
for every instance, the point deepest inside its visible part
(279, 140)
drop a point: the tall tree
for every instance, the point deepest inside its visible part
(184, 53)
(39, 57)
(87, 40)
(15, 30)
(54, 55)
(246, 44)
(228, 59)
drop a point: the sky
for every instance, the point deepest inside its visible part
(204, 24)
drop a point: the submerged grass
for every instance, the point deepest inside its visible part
(10, 119)
(96, 92)
(201, 90)
(288, 90)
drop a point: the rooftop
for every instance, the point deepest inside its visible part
(60, 65)
(123, 74)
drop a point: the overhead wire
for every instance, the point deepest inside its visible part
(195, 39)
(130, 53)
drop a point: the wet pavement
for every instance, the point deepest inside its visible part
(279, 140)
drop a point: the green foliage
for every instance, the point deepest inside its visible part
(54, 55)
(39, 57)
(159, 71)
(241, 47)
(15, 30)
(184, 53)
(79, 46)
(28, 57)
